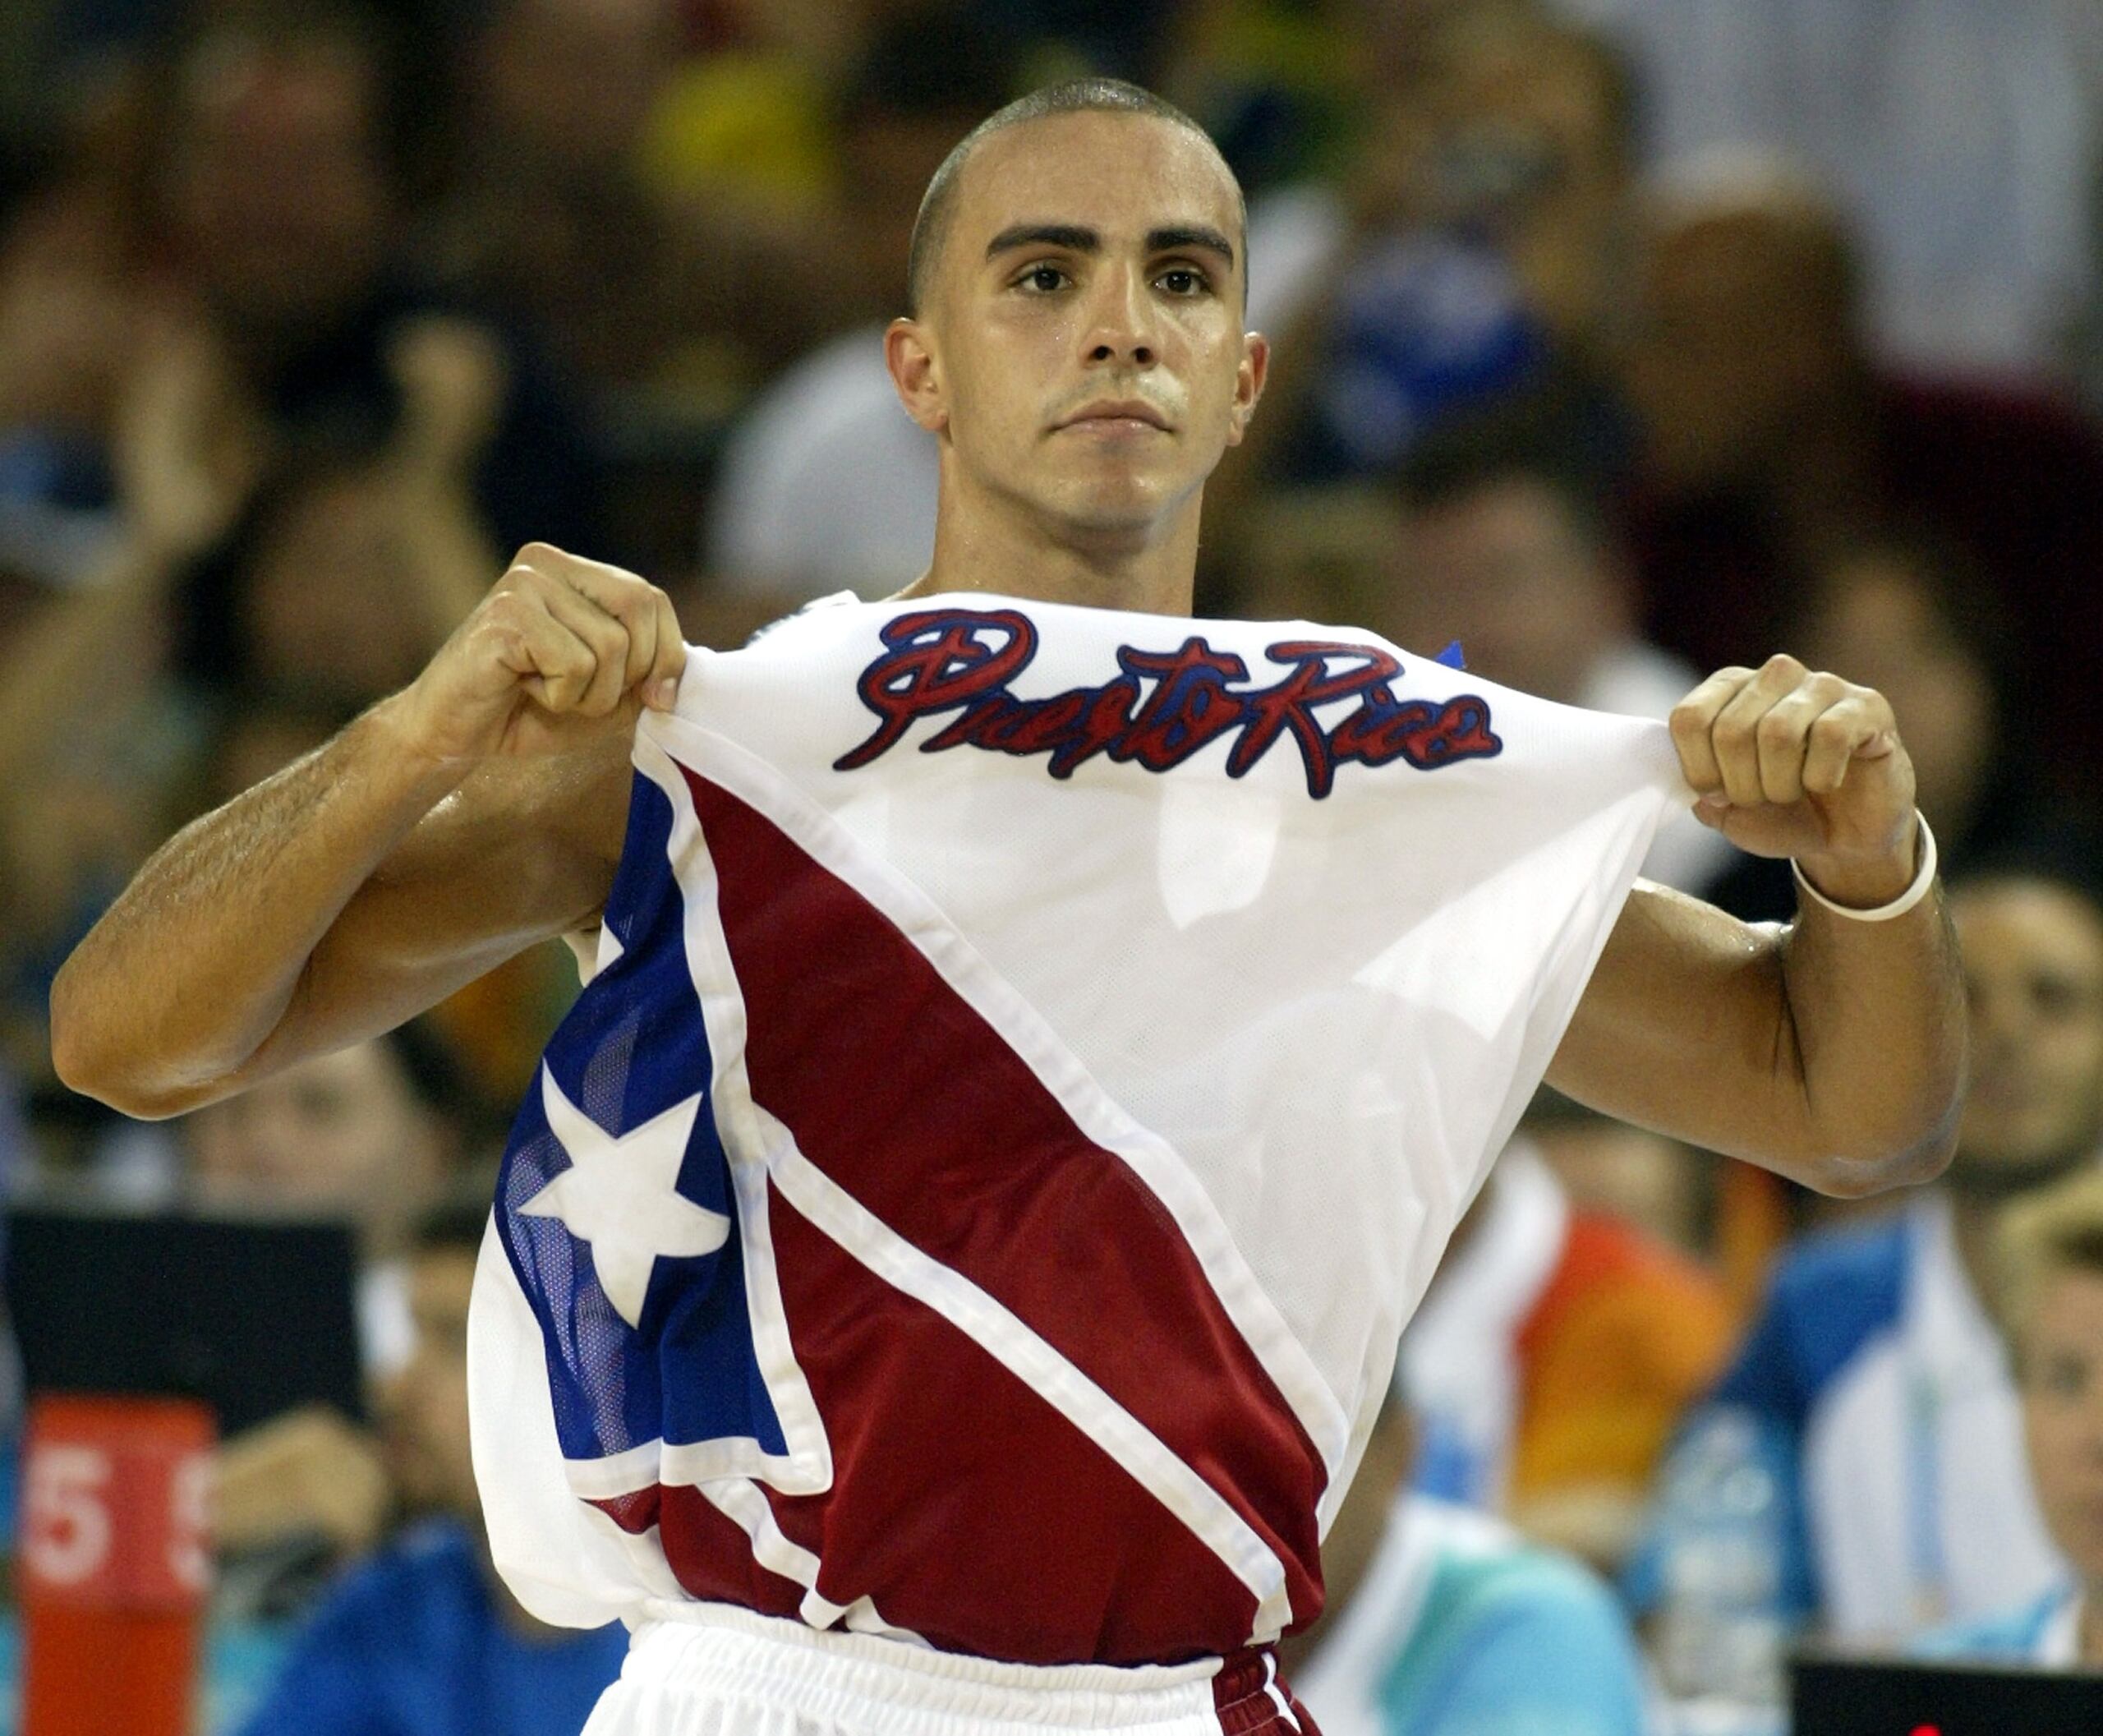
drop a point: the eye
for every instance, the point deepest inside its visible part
(1184, 280)
(1042, 279)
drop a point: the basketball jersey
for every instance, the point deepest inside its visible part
(1035, 1058)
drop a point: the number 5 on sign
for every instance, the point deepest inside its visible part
(66, 1514)
(115, 1563)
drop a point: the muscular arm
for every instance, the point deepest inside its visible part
(1827, 1051)
(1831, 1051)
(475, 812)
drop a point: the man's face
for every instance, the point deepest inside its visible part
(2060, 1351)
(423, 1409)
(2033, 973)
(1093, 263)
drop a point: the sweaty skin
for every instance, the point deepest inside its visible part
(1082, 364)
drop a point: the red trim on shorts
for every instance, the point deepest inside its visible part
(1246, 1696)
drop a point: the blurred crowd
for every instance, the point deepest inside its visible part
(1619, 340)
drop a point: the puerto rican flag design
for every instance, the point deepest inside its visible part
(860, 1301)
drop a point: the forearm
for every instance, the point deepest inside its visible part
(1876, 1033)
(185, 978)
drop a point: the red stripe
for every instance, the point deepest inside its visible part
(898, 1090)
(707, 1550)
(964, 1505)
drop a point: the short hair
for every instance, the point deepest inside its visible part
(2044, 1236)
(1074, 96)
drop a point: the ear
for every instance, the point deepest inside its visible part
(1248, 383)
(916, 373)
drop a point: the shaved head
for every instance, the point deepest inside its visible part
(1076, 96)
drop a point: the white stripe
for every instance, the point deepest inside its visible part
(806, 1468)
(1277, 1694)
(1140, 1453)
(1092, 1110)
(741, 1503)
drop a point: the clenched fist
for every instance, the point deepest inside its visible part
(559, 644)
(1791, 762)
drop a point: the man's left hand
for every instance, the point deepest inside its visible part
(1791, 762)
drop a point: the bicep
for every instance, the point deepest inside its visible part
(523, 852)
(1684, 1028)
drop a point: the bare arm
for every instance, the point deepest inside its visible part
(473, 813)
(1832, 1051)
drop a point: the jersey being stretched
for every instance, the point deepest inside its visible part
(1035, 1058)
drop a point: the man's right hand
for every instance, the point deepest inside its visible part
(558, 646)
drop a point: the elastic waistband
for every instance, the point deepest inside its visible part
(720, 1647)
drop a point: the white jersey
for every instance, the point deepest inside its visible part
(1037, 1057)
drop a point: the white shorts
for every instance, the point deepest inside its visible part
(713, 1670)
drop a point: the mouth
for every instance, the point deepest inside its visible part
(1118, 417)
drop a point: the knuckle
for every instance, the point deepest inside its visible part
(1732, 734)
(1777, 729)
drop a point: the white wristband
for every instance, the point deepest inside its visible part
(1923, 878)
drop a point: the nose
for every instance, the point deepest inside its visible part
(1121, 331)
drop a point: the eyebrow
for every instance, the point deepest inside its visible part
(1079, 238)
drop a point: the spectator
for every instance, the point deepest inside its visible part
(350, 564)
(1469, 256)
(72, 314)
(289, 169)
(1963, 140)
(1439, 1619)
(1880, 1390)
(1505, 547)
(371, 1135)
(546, 217)
(827, 484)
(423, 1637)
(329, 584)
(1550, 1358)
(2050, 1303)
(1769, 441)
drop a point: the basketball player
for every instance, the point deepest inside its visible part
(1074, 342)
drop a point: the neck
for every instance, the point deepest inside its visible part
(1012, 549)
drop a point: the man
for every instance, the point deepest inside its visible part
(1076, 345)
(423, 1637)
(1877, 1378)
(1505, 547)
(1769, 434)
(2051, 1306)
(370, 1135)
